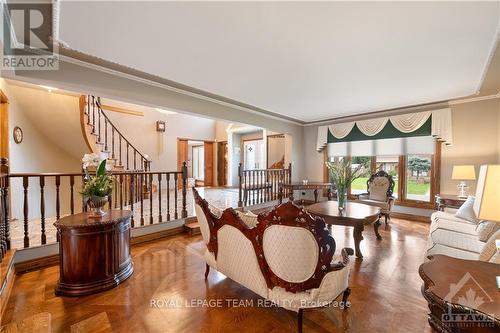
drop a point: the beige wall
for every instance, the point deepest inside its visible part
(37, 152)
(476, 140)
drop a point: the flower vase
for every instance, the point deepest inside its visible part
(342, 198)
(96, 204)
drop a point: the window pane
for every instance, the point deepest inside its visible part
(418, 177)
(358, 186)
(390, 164)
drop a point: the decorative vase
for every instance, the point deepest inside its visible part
(342, 197)
(96, 203)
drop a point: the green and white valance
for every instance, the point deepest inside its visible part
(436, 124)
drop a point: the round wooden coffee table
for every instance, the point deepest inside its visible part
(356, 215)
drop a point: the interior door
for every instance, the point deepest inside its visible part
(182, 156)
(209, 163)
(222, 163)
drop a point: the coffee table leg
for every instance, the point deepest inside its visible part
(376, 225)
(358, 237)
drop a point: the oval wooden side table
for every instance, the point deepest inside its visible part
(94, 254)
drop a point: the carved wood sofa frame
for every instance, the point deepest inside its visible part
(287, 214)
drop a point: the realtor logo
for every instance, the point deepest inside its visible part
(470, 295)
(27, 37)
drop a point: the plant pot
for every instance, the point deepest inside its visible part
(96, 204)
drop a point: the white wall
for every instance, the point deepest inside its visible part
(162, 146)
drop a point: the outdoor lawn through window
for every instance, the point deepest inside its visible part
(418, 177)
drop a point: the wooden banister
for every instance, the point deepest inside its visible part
(99, 133)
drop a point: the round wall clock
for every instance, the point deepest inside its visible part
(18, 134)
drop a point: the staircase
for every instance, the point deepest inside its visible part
(102, 137)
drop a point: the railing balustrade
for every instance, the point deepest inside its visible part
(43, 198)
(262, 185)
(105, 132)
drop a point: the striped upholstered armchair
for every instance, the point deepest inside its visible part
(380, 188)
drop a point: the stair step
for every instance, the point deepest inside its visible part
(192, 229)
(39, 323)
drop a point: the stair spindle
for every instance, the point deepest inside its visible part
(26, 211)
(106, 134)
(42, 209)
(72, 194)
(142, 199)
(159, 198)
(151, 198)
(132, 198)
(176, 216)
(168, 197)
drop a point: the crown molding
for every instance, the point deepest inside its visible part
(474, 99)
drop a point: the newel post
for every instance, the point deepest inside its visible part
(240, 172)
(4, 170)
(184, 185)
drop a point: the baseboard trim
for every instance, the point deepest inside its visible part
(7, 277)
(157, 235)
(35, 264)
(411, 217)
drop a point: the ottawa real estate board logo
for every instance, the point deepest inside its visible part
(27, 37)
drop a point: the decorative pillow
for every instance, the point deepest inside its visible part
(485, 229)
(249, 218)
(378, 189)
(215, 210)
(466, 211)
(489, 251)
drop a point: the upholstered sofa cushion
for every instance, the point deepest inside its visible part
(466, 211)
(457, 240)
(452, 252)
(486, 229)
(490, 248)
(442, 220)
(249, 218)
(291, 252)
(236, 259)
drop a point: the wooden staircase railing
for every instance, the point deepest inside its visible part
(262, 185)
(46, 197)
(107, 138)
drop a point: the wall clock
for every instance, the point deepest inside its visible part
(18, 134)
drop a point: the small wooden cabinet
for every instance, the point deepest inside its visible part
(448, 201)
(94, 254)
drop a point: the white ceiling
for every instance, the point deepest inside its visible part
(308, 61)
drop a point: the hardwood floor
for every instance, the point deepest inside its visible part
(385, 292)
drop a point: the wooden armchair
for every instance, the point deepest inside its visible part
(380, 187)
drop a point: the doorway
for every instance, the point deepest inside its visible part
(199, 158)
(254, 157)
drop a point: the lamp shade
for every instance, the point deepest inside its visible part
(463, 172)
(487, 202)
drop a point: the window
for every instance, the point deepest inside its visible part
(389, 164)
(359, 185)
(418, 177)
(413, 175)
(198, 162)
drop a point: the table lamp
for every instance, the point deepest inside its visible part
(487, 202)
(462, 173)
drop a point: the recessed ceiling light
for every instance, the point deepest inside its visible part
(50, 89)
(165, 111)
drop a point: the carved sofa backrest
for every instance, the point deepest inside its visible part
(293, 249)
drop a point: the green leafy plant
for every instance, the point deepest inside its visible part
(100, 184)
(342, 174)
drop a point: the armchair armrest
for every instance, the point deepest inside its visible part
(346, 252)
(390, 201)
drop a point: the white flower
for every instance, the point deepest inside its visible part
(90, 160)
(110, 164)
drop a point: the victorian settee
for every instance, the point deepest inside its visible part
(285, 255)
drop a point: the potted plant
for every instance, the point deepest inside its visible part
(97, 187)
(342, 174)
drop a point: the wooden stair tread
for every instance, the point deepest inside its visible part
(39, 323)
(192, 228)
